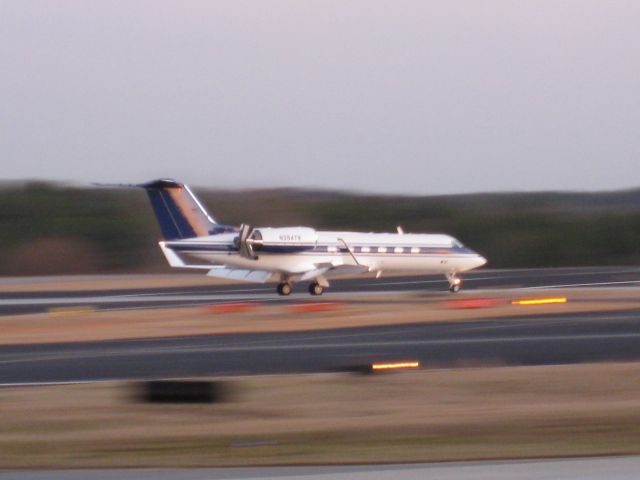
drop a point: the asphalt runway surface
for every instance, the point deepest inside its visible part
(614, 468)
(535, 340)
(134, 299)
(532, 340)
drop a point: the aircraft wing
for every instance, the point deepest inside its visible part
(303, 272)
(338, 269)
(262, 276)
(349, 269)
(257, 276)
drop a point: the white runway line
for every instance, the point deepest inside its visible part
(509, 277)
(131, 299)
(168, 298)
(47, 384)
(195, 292)
(310, 346)
(597, 284)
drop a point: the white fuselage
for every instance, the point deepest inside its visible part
(293, 254)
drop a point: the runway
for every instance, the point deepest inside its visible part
(531, 340)
(534, 340)
(145, 298)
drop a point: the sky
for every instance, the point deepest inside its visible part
(411, 97)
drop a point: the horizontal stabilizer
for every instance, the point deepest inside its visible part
(175, 261)
(256, 276)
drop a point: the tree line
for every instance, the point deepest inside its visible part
(56, 229)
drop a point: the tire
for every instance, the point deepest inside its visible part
(455, 288)
(315, 289)
(284, 289)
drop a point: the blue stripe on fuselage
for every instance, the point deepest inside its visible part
(186, 247)
(320, 249)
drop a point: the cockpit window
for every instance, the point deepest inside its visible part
(457, 244)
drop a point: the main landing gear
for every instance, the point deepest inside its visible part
(285, 287)
(455, 283)
(316, 289)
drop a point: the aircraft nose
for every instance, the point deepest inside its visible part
(481, 261)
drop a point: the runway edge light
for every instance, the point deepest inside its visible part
(394, 366)
(540, 301)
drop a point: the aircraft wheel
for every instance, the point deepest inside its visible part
(315, 289)
(455, 286)
(284, 289)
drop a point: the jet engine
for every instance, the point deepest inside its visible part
(275, 240)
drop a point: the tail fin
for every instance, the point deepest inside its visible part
(179, 212)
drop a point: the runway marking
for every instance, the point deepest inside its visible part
(171, 298)
(116, 299)
(554, 272)
(47, 384)
(508, 277)
(200, 303)
(194, 292)
(443, 280)
(178, 305)
(596, 284)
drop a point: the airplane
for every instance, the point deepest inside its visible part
(193, 239)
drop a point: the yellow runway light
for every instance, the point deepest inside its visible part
(76, 311)
(394, 366)
(540, 301)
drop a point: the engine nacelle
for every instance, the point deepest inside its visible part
(281, 239)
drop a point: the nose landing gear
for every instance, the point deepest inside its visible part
(455, 283)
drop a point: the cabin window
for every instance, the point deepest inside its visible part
(398, 250)
(365, 249)
(415, 250)
(382, 250)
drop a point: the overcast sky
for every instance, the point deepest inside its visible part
(419, 97)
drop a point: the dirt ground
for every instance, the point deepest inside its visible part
(439, 415)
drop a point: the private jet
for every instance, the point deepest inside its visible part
(193, 239)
